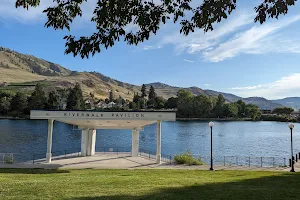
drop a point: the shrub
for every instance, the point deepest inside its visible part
(278, 118)
(187, 158)
(8, 159)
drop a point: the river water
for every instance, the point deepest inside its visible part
(268, 139)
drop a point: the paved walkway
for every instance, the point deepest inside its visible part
(125, 161)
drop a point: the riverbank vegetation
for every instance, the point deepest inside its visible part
(187, 159)
(20, 104)
(185, 103)
(278, 118)
(201, 106)
(147, 184)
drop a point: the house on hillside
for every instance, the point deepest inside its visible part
(111, 104)
(89, 103)
(63, 104)
(102, 104)
(4, 84)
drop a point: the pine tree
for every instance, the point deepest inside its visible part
(75, 99)
(53, 100)
(38, 99)
(144, 91)
(4, 105)
(152, 93)
(121, 101)
(136, 98)
(111, 96)
(19, 103)
(219, 107)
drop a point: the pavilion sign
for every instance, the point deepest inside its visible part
(81, 115)
(103, 115)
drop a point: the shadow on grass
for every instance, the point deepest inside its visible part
(33, 171)
(276, 187)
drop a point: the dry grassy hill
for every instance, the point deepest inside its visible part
(21, 72)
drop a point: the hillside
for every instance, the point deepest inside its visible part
(168, 91)
(13, 60)
(262, 103)
(293, 102)
(227, 96)
(21, 72)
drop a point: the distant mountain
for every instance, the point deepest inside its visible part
(262, 103)
(293, 102)
(227, 96)
(22, 71)
(167, 91)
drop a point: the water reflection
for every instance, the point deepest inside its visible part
(230, 138)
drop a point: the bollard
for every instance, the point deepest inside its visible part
(32, 159)
(296, 157)
(249, 161)
(284, 162)
(273, 162)
(224, 161)
(261, 160)
(290, 162)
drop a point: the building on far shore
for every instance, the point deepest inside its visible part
(89, 103)
(63, 104)
(102, 104)
(296, 114)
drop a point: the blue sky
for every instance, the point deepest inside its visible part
(238, 57)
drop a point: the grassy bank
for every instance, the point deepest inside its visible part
(147, 184)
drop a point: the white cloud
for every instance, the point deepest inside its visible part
(284, 87)
(235, 36)
(9, 11)
(207, 85)
(259, 39)
(150, 47)
(199, 41)
(247, 87)
(189, 61)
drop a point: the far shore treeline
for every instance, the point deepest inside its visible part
(185, 103)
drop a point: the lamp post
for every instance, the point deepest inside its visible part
(211, 124)
(291, 126)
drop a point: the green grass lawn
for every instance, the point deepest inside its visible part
(147, 184)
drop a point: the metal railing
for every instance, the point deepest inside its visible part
(152, 155)
(67, 153)
(116, 150)
(248, 161)
(8, 158)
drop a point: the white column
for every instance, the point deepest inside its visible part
(91, 142)
(84, 142)
(158, 143)
(135, 143)
(49, 141)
